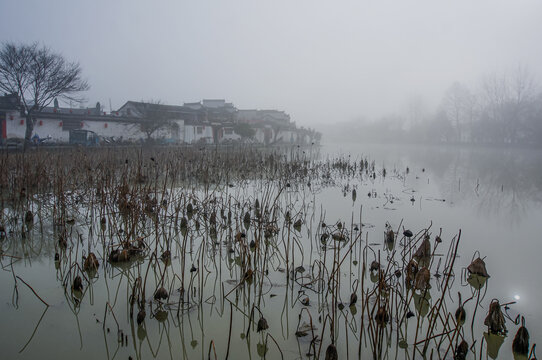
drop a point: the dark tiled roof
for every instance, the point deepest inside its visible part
(87, 111)
(144, 107)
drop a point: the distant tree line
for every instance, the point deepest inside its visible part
(503, 109)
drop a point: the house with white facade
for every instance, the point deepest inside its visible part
(211, 121)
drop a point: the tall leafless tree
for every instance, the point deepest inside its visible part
(459, 103)
(38, 76)
(507, 102)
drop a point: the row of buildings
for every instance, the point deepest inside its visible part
(208, 121)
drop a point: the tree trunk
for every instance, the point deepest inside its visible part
(29, 130)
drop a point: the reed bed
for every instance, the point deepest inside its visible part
(154, 239)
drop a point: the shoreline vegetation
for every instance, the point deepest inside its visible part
(152, 236)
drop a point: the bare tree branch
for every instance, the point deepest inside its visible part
(38, 76)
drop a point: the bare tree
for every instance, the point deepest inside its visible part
(459, 103)
(522, 98)
(507, 102)
(244, 130)
(38, 76)
(156, 117)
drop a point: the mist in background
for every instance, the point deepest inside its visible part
(351, 65)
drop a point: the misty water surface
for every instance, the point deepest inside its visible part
(492, 195)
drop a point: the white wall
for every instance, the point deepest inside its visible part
(131, 132)
(51, 127)
(13, 127)
(128, 131)
(116, 129)
(191, 135)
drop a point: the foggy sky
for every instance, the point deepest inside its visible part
(320, 61)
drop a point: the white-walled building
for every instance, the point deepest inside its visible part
(209, 122)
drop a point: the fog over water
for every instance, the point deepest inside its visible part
(431, 121)
(319, 61)
(492, 195)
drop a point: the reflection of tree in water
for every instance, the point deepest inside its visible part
(498, 182)
(28, 241)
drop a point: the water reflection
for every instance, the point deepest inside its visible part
(223, 274)
(497, 182)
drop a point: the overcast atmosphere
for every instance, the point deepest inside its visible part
(280, 179)
(319, 61)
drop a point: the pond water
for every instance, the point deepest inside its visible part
(494, 196)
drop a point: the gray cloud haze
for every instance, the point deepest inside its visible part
(321, 61)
